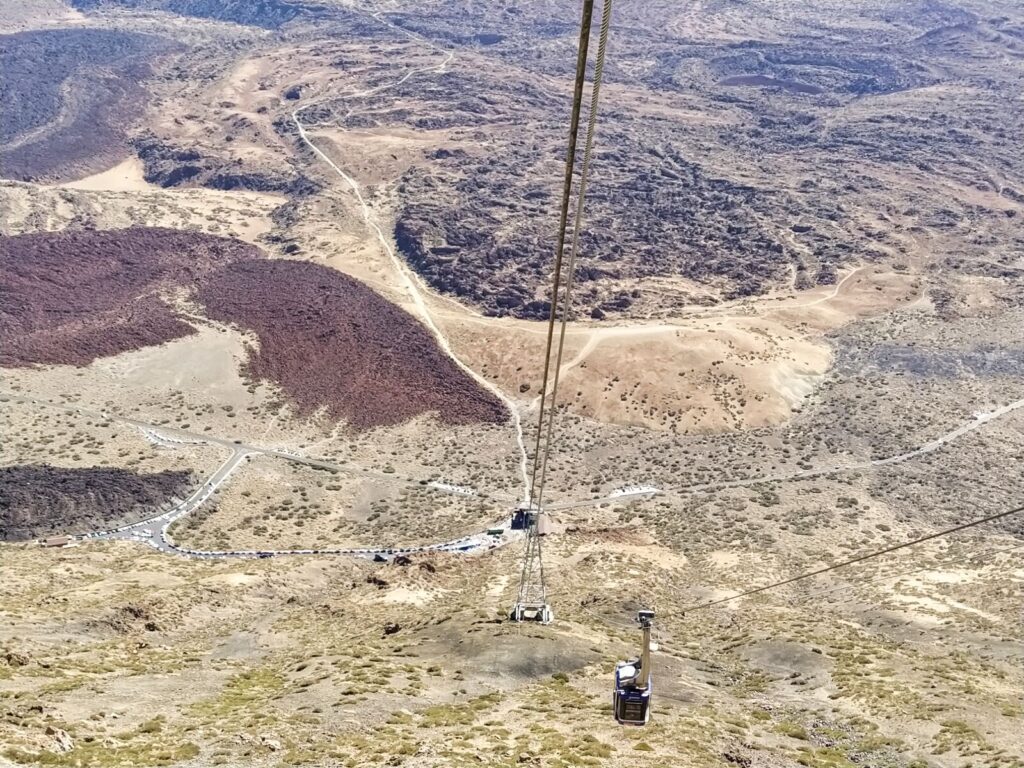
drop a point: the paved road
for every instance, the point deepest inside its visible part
(154, 530)
(172, 436)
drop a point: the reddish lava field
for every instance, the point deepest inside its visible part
(71, 297)
(328, 340)
(325, 339)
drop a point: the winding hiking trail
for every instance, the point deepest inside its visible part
(155, 530)
(411, 282)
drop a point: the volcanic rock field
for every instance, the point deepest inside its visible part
(324, 338)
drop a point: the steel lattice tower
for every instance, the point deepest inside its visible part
(532, 601)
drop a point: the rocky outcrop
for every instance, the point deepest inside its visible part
(170, 165)
(57, 118)
(38, 500)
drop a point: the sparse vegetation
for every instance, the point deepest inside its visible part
(809, 218)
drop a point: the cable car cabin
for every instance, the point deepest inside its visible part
(520, 519)
(631, 700)
(524, 518)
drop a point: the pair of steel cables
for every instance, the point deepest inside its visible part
(564, 271)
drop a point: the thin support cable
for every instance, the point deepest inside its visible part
(852, 561)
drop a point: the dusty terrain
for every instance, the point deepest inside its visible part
(120, 197)
(300, 662)
(799, 317)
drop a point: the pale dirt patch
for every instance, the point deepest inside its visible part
(980, 293)
(32, 208)
(970, 609)
(721, 594)
(196, 380)
(711, 371)
(696, 376)
(232, 579)
(192, 383)
(125, 702)
(723, 559)
(651, 553)
(126, 176)
(942, 577)
(866, 292)
(694, 379)
(794, 383)
(241, 84)
(154, 579)
(929, 603)
(497, 586)
(207, 363)
(376, 157)
(18, 16)
(941, 605)
(406, 595)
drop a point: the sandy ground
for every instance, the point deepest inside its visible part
(225, 656)
(207, 364)
(18, 16)
(711, 370)
(126, 176)
(375, 157)
(117, 198)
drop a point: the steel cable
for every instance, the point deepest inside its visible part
(849, 562)
(570, 165)
(537, 489)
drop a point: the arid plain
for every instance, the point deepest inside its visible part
(284, 265)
